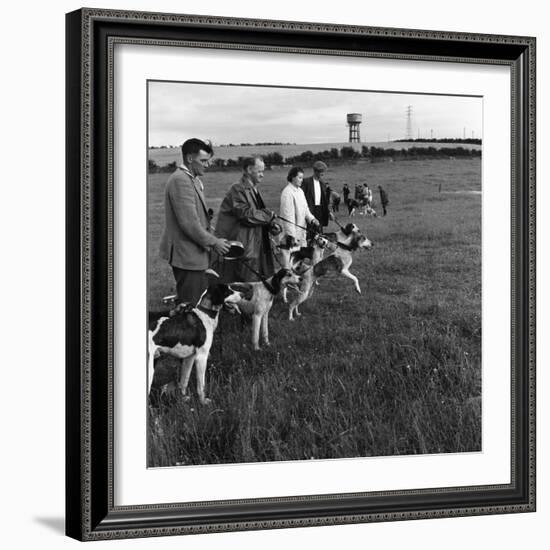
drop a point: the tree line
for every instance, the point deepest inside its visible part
(334, 156)
(470, 141)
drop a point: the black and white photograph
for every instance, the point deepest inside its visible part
(313, 273)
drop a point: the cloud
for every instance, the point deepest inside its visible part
(236, 114)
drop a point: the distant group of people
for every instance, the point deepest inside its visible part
(363, 197)
(188, 238)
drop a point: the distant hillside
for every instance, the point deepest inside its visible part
(166, 156)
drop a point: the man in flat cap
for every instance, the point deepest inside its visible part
(316, 194)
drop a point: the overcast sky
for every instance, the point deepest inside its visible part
(251, 114)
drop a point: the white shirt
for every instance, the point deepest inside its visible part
(295, 209)
(316, 192)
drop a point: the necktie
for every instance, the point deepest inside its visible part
(259, 199)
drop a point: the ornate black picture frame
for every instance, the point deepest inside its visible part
(90, 510)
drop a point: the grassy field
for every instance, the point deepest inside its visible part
(394, 371)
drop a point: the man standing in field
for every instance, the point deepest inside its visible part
(346, 192)
(383, 198)
(316, 194)
(186, 240)
(243, 217)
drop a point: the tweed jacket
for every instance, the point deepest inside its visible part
(309, 192)
(186, 239)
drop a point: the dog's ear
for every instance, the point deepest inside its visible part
(226, 291)
(217, 293)
(302, 266)
(246, 289)
(348, 229)
(355, 241)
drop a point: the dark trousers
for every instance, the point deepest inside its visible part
(317, 211)
(189, 284)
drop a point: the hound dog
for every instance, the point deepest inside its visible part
(367, 210)
(344, 243)
(187, 335)
(257, 300)
(300, 259)
(286, 245)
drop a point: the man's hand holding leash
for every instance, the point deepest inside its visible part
(221, 247)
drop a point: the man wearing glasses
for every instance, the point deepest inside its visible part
(186, 240)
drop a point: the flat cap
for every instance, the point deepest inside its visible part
(320, 166)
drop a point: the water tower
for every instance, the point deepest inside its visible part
(354, 121)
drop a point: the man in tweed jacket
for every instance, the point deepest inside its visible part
(186, 240)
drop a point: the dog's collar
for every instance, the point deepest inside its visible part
(339, 244)
(269, 287)
(212, 313)
(344, 246)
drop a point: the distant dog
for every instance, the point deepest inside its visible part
(344, 243)
(257, 299)
(353, 204)
(367, 209)
(187, 335)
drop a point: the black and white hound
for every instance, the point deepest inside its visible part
(300, 259)
(187, 335)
